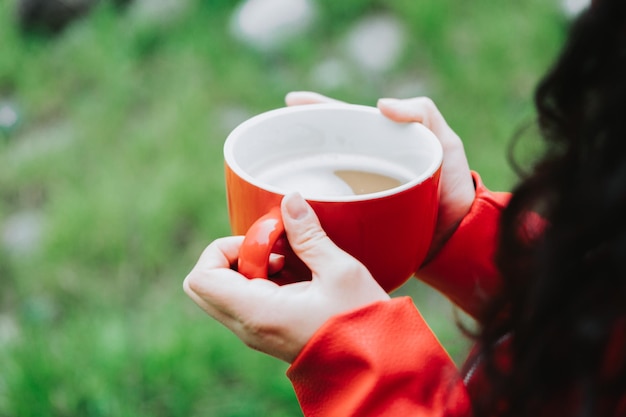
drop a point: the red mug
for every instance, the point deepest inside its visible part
(372, 182)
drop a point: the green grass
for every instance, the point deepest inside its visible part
(119, 150)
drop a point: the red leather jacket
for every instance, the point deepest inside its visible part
(383, 359)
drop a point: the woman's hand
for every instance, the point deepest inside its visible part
(279, 320)
(457, 187)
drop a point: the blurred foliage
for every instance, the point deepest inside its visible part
(123, 116)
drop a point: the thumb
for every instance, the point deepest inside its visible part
(308, 240)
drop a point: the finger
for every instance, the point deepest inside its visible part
(297, 98)
(277, 262)
(193, 286)
(221, 253)
(419, 109)
(225, 294)
(204, 284)
(309, 241)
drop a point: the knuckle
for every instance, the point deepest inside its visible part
(256, 332)
(349, 267)
(423, 102)
(428, 102)
(311, 237)
(429, 107)
(191, 283)
(258, 321)
(253, 326)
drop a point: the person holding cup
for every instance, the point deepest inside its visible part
(281, 320)
(541, 269)
(372, 182)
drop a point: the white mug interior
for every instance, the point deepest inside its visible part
(310, 131)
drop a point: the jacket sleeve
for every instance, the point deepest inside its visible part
(464, 269)
(383, 359)
(379, 360)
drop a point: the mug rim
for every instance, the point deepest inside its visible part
(231, 162)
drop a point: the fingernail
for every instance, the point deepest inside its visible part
(296, 207)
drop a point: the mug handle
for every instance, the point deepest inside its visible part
(257, 244)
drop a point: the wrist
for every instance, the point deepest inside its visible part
(451, 216)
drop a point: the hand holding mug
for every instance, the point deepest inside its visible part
(372, 182)
(279, 320)
(457, 188)
(379, 238)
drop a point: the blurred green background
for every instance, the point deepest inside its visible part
(111, 177)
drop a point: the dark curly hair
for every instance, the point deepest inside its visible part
(563, 300)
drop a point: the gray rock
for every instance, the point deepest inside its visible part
(376, 43)
(331, 73)
(267, 24)
(22, 232)
(573, 8)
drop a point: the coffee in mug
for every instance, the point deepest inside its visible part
(334, 174)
